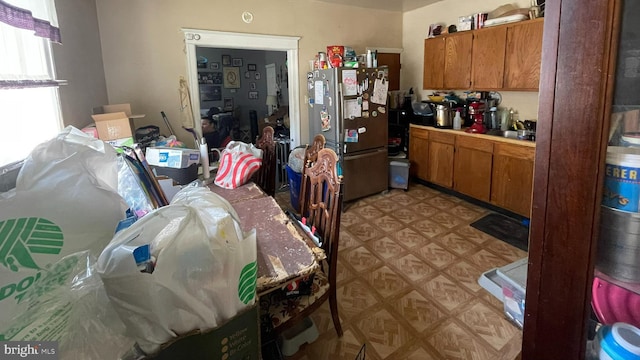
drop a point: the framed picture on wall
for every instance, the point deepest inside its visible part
(253, 95)
(231, 77)
(217, 77)
(237, 62)
(214, 66)
(251, 67)
(247, 75)
(226, 60)
(257, 76)
(228, 104)
(253, 86)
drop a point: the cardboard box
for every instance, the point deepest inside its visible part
(114, 108)
(113, 126)
(177, 158)
(237, 339)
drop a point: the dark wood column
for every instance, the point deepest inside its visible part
(574, 108)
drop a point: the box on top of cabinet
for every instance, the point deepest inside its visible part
(465, 23)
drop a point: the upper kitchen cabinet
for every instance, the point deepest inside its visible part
(457, 60)
(433, 75)
(503, 57)
(447, 61)
(523, 55)
(488, 58)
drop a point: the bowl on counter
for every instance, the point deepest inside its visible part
(436, 98)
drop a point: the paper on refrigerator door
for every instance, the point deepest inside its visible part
(352, 109)
(380, 88)
(319, 92)
(350, 82)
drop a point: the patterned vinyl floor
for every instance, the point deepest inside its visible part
(407, 282)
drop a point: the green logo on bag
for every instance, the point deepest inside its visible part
(247, 283)
(21, 238)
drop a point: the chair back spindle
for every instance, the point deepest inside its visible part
(265, 177)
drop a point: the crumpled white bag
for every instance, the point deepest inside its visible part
(69, 305)
(65, 201)
(205, 271)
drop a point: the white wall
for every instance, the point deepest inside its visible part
(415, 28)
(79, 60)
(143, 49)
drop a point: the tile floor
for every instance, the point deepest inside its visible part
(407, 282)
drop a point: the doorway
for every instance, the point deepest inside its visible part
(227, 40)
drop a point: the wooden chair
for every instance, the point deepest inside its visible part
(324, 207)
(310, 157)
(265, 177)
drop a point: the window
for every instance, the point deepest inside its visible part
(29, 103)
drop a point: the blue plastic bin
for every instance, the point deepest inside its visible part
(295, 178)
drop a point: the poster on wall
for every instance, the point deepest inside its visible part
(231, 76)
(210, 93)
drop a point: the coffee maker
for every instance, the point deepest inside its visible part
(488, 122)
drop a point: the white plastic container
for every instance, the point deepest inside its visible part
(399, 174)
(457, 121)
(622, 179)
(514, 290)
(619, 341)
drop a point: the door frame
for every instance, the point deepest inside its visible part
(571, 140)
(233, 40)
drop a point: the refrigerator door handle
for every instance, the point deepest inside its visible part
(339, 112)
(365, 155)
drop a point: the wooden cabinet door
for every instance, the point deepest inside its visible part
(457, 60)
(512, 179)
(487, 71)
(472, 167)
(440, 163)
(433, 73)
(523, 55)
(419, 153)
(392, 61)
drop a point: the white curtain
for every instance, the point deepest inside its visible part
(26, 28)
(29, 104)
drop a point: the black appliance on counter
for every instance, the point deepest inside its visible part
(422, 114)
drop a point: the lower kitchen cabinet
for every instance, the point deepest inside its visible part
(419, 152)
(512, 180)
(472, 167)
(488, 168)
(440, 161)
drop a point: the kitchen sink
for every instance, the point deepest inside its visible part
(511, 134)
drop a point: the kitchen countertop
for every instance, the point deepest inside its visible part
(526, 143)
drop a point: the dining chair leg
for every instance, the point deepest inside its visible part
(333, 304)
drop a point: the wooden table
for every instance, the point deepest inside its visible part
(284, 253)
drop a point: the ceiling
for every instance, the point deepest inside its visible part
(392, 5)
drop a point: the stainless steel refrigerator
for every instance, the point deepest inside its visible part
(349, 107)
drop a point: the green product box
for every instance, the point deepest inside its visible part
(237, 339)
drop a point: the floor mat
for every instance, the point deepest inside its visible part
(504, 228)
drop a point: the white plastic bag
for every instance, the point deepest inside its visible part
(69, 305)
(238, 162)
(65, 201)
(204, 274)
(296, 159)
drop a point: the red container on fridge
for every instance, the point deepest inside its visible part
(335, 54)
